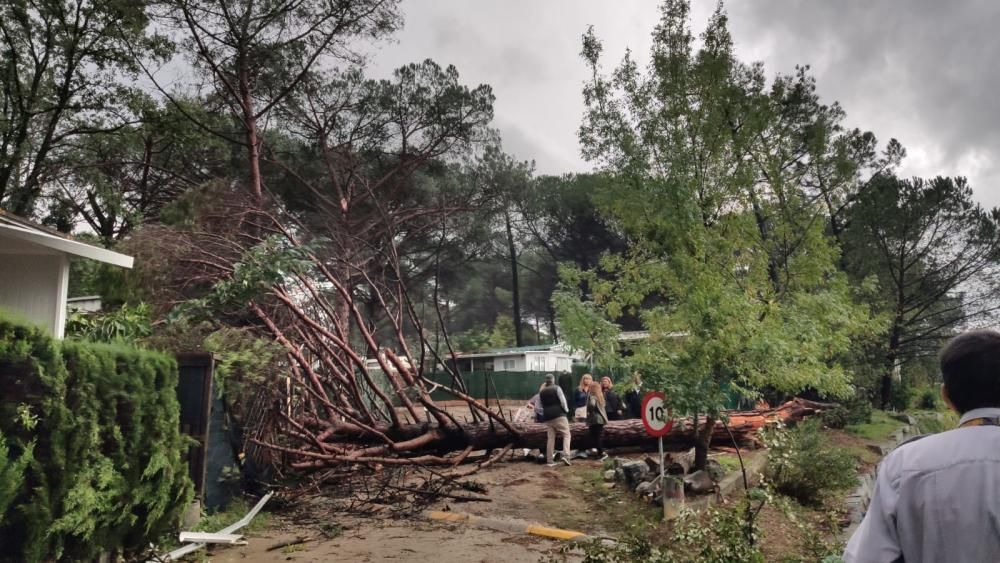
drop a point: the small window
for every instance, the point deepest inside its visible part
(508, 365)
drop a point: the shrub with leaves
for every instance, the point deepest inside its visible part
(928, 399)
(91, 459)
(802, 465)
(715, 535)
(127, 324)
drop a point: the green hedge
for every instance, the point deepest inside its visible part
(90, 447)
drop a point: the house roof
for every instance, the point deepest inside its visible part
(23, 230)
(517, 351)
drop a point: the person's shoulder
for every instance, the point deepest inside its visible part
(931, 452)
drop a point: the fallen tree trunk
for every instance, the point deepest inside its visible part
(344, 445)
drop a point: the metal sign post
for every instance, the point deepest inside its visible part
(656, 417)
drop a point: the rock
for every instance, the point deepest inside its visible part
(619, 474)
(654, 465)
(715, 470)
(698, 482)
(634, 472)
(609, 475)
(903, 417)
(645, 488)
(620, 461)
(876, 449)
(680, 463)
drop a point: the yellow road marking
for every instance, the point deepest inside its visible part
(553, 533)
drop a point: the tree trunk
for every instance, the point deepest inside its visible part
(890, 364)
(251, 132)
(514, 285)
(423, 438)
(703, 441)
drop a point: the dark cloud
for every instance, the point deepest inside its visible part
(921, 71)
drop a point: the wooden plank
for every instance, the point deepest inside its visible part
(211, 537)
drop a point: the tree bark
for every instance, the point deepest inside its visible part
(890, 364)
(514, 285)
(703, 441)
(424, 438)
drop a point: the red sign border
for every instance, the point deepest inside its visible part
(649, 430)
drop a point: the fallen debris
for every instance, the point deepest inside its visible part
(192, 547)
(462, 498)
(210, 537)
(287, 543)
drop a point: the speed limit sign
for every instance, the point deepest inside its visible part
(655, 414)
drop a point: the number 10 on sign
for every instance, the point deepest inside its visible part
(656, 417)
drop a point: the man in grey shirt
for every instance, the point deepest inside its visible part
(938, 498)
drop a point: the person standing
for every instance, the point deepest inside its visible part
(633, 397)
(580, 397)
(597, 417)
(555, 413)
(612, 402)
(937, 497)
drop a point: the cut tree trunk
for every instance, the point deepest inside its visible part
(418, 439)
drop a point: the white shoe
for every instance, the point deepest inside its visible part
(565, 460)
(550, 465)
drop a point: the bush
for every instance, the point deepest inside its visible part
(92, 450)
(125, 325)
(903, 395)
(716, 535)
(802, 465)
(837, 417)
(855, 410)
(928, 399)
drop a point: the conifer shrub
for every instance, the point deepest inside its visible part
(91, 455)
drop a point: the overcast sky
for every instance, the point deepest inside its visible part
(922, 71)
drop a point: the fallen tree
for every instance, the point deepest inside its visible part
(327, 276)
(336, 444)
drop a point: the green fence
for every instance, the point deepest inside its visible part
(506, 385)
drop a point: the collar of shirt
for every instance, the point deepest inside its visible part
(980, 413)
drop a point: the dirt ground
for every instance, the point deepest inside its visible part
(520, 490)
(414, 541)
(573, 498)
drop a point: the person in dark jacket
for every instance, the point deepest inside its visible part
(612, 402)
(597, 417)
(633, 397)
(555, 413)
(580, 397)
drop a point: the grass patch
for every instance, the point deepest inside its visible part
(728, 462)
(879, 429)
(630, 514)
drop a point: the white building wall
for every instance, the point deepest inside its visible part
(33, 287)
(509, 363)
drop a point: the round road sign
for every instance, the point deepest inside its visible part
(656, 416)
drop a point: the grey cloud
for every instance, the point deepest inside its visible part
(918, 70)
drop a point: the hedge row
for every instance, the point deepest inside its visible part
(90, 447)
